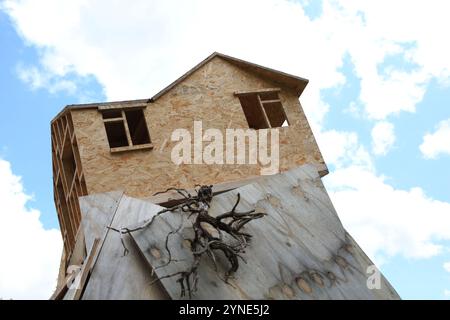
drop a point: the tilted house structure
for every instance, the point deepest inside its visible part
(104, 147)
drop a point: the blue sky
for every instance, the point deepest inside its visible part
(378, 102)
(25, 124)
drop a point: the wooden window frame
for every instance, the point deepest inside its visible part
(123, 119)
(261, 103)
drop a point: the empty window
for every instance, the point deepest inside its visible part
(125, 127)
(138, 127)
(263, 109)
(68, 161)
(117, 136)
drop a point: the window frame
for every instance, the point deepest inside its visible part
(261, 103)
(123, 119)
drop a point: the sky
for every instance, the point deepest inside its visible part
(378, 102)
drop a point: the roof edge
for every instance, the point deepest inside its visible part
(95, 105)
(183, 77)
(299, 90)
(284, 74)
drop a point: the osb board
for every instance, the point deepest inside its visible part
(115, 276)
(207, 95)
(300, 250)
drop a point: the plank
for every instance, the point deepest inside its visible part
(77, 279)
(300, 250)
(252, 92)
(71, 283)
(86, 268)
(79, 251)
(118, 105)
(61, 292)
(116, 276)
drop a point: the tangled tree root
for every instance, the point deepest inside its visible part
(206, 240)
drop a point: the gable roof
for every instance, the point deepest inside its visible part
(293, 82)
(284, 79)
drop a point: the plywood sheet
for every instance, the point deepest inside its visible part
(206, 95)
(300, 250)
(116, 276)
(97, 212)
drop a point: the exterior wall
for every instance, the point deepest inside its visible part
(207, 95)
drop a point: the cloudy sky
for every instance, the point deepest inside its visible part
(378, 101)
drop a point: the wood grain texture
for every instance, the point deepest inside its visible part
(86, 269)
(114, 275)
(83, 162)
(300, 250)
(79, 250)
(68, 179)
(206, 95)
(97, 212)
(71, 286)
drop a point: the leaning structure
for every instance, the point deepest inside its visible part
(109, 160)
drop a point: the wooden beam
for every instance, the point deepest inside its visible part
(132, 147)
(246, 93)
(59, 294)
(78, 254)
(113, 120)
(127, 130)
(86, 269)
(270, 101)
(122, 106)
(266, 119)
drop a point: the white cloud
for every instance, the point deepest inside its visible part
(384, 220)
(134, 49)
(380, 34)
(37, 79)
(447, 293)
(30, 253)
(438, 142)
(383, 137)
(447, 266)
(342, 149)
(388, 221)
